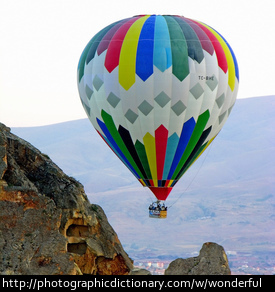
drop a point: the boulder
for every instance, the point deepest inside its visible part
(138, 271)
(212, 260)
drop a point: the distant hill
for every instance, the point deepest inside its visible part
(231, 199)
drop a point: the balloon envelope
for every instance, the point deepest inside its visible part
(158, 89)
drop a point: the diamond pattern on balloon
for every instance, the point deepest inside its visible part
(178, 108)
(221, 117)
(113, 99)
(97, 83)
(196, 91)
(220, 100)
(89, 92)
(131, 116)
(230, 109)
(162, 99)
(145, 107)
(212, 82)
(87, 108)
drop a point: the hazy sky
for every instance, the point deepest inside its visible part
(42, 40)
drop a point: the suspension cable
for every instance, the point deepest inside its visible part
(209, 148)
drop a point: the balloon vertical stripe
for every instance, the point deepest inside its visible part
(217, 46)
(162, 56)
(171, 149)
(150, 148)
(104, 44)
(229, 58)
(126, 137)
(206, 45)
(93, 45)
(180, 66)
(127, 59)
(161, 136)
(113, 52)
(194, 154)
(186, 134)
(140, 148)
(200, 125)
(194, 47)
(111, 142)
(119, 142)
(145, 53)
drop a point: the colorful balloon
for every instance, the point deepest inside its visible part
(158, 89)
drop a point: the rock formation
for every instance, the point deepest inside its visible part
(47, 225)
(212, 260)
(140, 272)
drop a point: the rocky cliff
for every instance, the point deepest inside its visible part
(47, 225)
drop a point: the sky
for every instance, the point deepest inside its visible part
(42, 40)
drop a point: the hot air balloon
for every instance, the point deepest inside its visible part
(158, 89)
